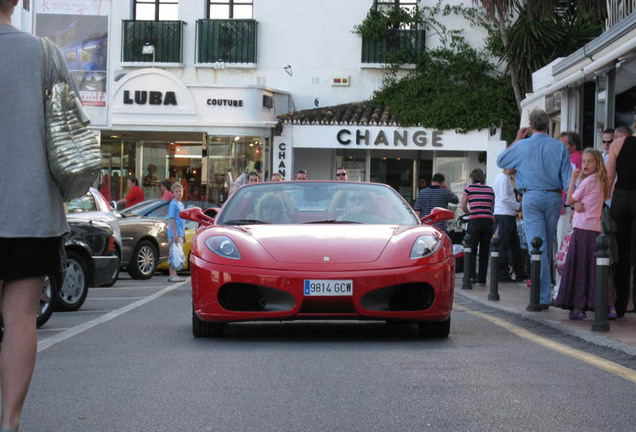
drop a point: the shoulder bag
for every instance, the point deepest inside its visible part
(74, 155)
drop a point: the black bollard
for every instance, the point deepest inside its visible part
(602, 272)
(494, 270)
(535, 275)
(466, 284)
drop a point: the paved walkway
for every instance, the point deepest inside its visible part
(514, 297)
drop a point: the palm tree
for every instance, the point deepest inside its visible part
(534, 33)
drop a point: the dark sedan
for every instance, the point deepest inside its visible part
(91, 260)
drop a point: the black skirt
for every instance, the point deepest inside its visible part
(26, 257)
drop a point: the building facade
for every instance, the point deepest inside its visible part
(193, 91)
(593, 88)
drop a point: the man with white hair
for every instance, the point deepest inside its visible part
(543, 172)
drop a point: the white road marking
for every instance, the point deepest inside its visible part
(73, 331)
(114, 298)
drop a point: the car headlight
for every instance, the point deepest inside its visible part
(425, 245)
(223, 246)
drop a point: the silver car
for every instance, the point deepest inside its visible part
(143, 240)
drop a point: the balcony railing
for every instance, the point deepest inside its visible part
(403, 44)
(165, 36)
(618, 10)
(226, 40)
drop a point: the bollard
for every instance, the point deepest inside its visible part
(466, 284)
(602, 272)
(494, 270)
(535, 275)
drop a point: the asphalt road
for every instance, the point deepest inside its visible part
(127, 361)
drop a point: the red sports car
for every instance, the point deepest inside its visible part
(320, 250)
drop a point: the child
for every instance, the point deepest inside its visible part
(577, 290)
(176, 232)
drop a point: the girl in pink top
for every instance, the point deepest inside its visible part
(577, 290)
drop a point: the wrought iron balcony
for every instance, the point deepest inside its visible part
(618, 10)
(165, 36)
(226, 40)
(401, 43)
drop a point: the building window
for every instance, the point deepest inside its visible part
(156, 10)
(224, 9)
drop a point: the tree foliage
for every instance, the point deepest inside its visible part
(452, 90)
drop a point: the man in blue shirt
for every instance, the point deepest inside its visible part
(543, 172)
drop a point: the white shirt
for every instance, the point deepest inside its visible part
(505, 200)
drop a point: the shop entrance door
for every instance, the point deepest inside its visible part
(396, 172)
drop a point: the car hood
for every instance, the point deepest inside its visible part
(305, 244)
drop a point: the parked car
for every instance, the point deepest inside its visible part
(159, 208)
(142, 242)
(91, 207)
(91, 260)
(307, 250)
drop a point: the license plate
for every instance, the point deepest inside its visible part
(321, 287)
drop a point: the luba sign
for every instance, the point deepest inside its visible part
(379, 138)
(143, 97)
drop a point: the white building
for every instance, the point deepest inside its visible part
(192, 90)
(593, 88)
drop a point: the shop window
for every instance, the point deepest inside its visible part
(354, 161)
(230, 159)
(238, 9)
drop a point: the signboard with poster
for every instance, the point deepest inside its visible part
(80, 29)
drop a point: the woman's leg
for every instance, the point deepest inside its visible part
(20, 301)
(484, 249)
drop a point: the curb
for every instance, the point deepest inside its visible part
(596, 339)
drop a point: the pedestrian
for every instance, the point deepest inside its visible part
(253, 177)
(165, 186)
(620, 164)
(301, 175)
(32, 219)
(577, 290)
(135, 193)
(276, 177)
(436, 195)
(478, 201)
(608, 137)
(543, 172)
(506, 208)
(341, 174)
(176, 228)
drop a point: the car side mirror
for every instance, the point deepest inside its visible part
(196, 214)
(438, 214)
(113, 205)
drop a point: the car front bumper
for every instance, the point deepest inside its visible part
(279, 295)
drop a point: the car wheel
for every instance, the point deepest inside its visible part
(72, 293)
(206, 329)
(49, 289)
(434, 329)
(116, 274)
(144, 261)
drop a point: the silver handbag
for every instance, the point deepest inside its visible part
(75, 156)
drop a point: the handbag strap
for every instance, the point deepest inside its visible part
(51, 52)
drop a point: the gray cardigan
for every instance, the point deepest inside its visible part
(30, 202)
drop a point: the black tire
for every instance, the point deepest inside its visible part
(49, 290)
(74, 288)
(202, 329)
(434, 329)
(116, 275)
(144, 260)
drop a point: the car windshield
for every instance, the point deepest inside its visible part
(83, 204)
(316, 202)
(143, 208)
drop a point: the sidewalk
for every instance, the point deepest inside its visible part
(514, 297)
